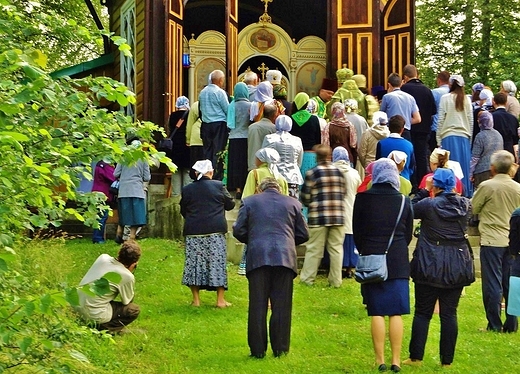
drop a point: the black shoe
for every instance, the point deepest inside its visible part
(382, 367)
(280, 353)
(258, 355)
(395, 368)
(118, 239)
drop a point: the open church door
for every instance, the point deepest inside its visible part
(174, 51)
(231, 26)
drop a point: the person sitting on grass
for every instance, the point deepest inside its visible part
(103, 310)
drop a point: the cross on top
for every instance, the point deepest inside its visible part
(262, 67)
(266, 4)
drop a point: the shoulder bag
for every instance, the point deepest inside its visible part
(166, 144)
(372, 268)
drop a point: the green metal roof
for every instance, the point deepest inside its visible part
(84, 66)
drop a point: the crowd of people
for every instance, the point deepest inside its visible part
(345, 174)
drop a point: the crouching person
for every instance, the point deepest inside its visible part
(103, 310)
(272, 225)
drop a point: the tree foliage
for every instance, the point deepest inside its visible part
(475, 38)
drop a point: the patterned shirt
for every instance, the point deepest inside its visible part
(323, 193)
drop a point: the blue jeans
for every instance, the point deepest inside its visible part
(99, 234)
(425, 298)
(495, 263)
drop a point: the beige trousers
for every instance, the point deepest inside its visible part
(330, 237)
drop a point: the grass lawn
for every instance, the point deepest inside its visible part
(330, 328)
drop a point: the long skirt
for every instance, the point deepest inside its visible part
(460, 151)
(131, 211)
(205, 262)
(237, 164)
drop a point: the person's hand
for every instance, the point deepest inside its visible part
(429, 183)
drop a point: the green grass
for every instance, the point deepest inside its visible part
(330, 328)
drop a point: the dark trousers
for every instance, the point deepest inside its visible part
(196, 154)
(98, 235)
(273, 283)
(495, 265)
(214, 137)
(407, 134)
(420, 150)
(122, 315)
(425, 298)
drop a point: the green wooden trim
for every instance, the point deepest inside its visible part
(71, 71)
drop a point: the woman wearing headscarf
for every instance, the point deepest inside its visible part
(361, 125)
(266, 166)
(263, 96)
(339, 132)
(238, 121)
(376, 132)
(487, 142)
(341, 160)
(375, 218)
(290, 149)
(512, 105)
(440, 158)
(306, 127)
(312, 108)
(441, 265)
(203, 205)
(180, 153)
(455, 127)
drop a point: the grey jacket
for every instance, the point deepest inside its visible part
(131, 179)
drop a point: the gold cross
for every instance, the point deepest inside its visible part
(262, 67)
(266, 4)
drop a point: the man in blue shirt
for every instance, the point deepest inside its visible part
(395, 142)
(443, 87)
(399, 102)
(213, 106)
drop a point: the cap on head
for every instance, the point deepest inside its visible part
(274, 76)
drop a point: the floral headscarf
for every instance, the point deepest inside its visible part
(385, 171)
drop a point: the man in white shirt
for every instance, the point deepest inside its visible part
(106, 313)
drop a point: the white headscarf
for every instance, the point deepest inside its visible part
(202, 167)
(271, 157)
(263, 94)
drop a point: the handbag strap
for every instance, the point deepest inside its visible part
(396, 223)
(178, 124)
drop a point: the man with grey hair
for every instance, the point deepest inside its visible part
(512, 105)
(251, 80)
(494, 201)
(257, 131)
(272, 225)
(213, 107)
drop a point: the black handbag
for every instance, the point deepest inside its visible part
(166, 144)
(372, 268)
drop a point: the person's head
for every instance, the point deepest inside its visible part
(379, 118)
(270, 112)
(351, 106)
(264, 92)
(385, 171)
(399, 157)
(340, 154)
(129, 253)
(443, 180)
(337, 111)
(328, 87)
(322, 152)
(251, 78)
(360, 80)
(439, 158)
(267, 155)
(269, 182)
(396, 124)
(182, 103)
(217, 77)
(274, 76)
(280, 92)
(300, 102)
(485, 120)
(343, 74)
(203, 168)
(501, 162)
(240, 92)
(486, 97)
(443, 78)
(410, 72)
(500, 99)
(394, 81)
(456, 87)
(508, 87)
(312, 106)
(283, 123)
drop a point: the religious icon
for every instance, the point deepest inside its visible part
(263, 40)
(309, 78)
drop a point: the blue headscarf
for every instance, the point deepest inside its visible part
(340, 154)
(444, 179)
(241, 93)
(385, 171)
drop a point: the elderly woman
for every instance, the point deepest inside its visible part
(203, 205)
(131, 198)
(455, 127)
(375, 219)
(263, 96)
(487, 142)
(180, 152)
(290, 149)
(238, 121)
(266, 166)
(512, 106)
(442, 263)
(339, 132)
